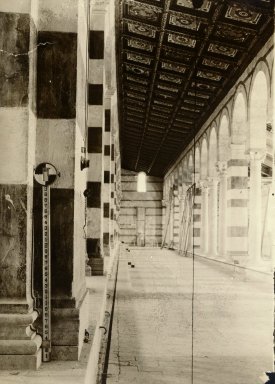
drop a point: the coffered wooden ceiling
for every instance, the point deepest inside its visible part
(175, 64)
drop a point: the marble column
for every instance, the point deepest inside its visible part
(176, 219)
(61, 139)
(237, 205)
(112, 187)
(170, 217)
(204, 217)
(96, 121)
(255, 208)
(106, 182)
(183, 217)
(222, 238)
(212, 217)
(196, 226)
(19, 343)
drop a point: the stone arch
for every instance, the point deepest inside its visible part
(224, 137)
(190, 164)
(204, 159)
(180, 173)
(239, 116)
(197, 161)
(213, 152)
(258, 107)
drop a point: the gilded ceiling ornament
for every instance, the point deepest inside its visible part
(139, 58)
(154, 116)
(156, 127)
(137, 70)
(165, 95)
(156, 120)
(136, 80)
(166, 88)
(132, 101)
(161, 109)
(222, 50)
(240, 12)
(181, 40)
(143, 11)
(203, 86)
(171, 78)
(215, 63)
(209, 75)
(141, 29)
(185, 121)
(191, 109)
(188, 4)
(159, 102)
(139, 44)
(194, 102)
(176, 54)
(173, 67)
(232, 33)
(134, 109)
(135, 115)
(198, 94)
(137, 88)
(184, 21)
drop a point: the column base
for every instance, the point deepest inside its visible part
(97, 266)
(69, 321)
(19, 344)
(21, 362)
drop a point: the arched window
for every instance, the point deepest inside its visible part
(141, 182)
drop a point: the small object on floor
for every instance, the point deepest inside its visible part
(271, 376)
(87, 335)
(129, 263)
(132, 266)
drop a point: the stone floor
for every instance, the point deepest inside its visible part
(152, 328)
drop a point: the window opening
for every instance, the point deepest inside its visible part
(141, 182)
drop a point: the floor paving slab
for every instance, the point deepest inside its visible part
(162, 317)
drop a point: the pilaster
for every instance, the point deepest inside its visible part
(237, 205)
(106, 182)
(255, 208)
(61, 140)
(19, 343)
(213, 216)
(96, 119)
(204, 217)
(221, 167)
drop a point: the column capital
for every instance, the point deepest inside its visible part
(221, 167)
(203, 184)
(212, 182)
(257, 154)
(99, 6)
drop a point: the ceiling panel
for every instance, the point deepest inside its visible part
(175, 64)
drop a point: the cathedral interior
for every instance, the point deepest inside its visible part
(137, 184)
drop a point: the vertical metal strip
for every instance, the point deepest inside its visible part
(46, 274)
